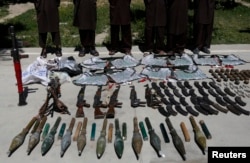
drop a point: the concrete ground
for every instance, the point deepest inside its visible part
(226, 129)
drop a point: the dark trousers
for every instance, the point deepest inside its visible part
(87, 38)
(203, 35)
(155, 37)
(176, 42)
(126, 38)
(55, 36)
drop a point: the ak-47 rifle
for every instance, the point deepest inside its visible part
(113, 103)
(98, 104)
(17, 66)
(81, 102)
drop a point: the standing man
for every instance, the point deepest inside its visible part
(203, 25)
(156, 21)
(48, 21)
(85, 16)
(177, 26)
(120, 20)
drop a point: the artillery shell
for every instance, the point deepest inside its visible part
(110, 132)
(101, 142)
(77, 131)
(118, 144)
(92, 136)
(154, 138)
(124, 131)
(178, 143)
(81, 140)
(45, 131)
(143, 131)
(164, 133)
(18, 140)
(205, 129)
(61, 131)
(185, 132)
(200, 138)
(136, 139)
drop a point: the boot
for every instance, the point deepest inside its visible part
(98, 113)
(80, 112)
(43, 53)
(58, 52)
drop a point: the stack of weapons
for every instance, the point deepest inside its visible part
(54, 92)
(172, 102)
(110, 103)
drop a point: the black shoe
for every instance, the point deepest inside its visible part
(94, 52)
(196, 51)
(58, 52)
(112, 52)
(43, 53)
(82, 52)
(205, 50)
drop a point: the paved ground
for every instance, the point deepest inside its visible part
(226, 129)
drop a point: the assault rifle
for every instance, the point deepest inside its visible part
(113, 103)
(81, 102)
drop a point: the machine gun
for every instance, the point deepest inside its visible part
(17, 66)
